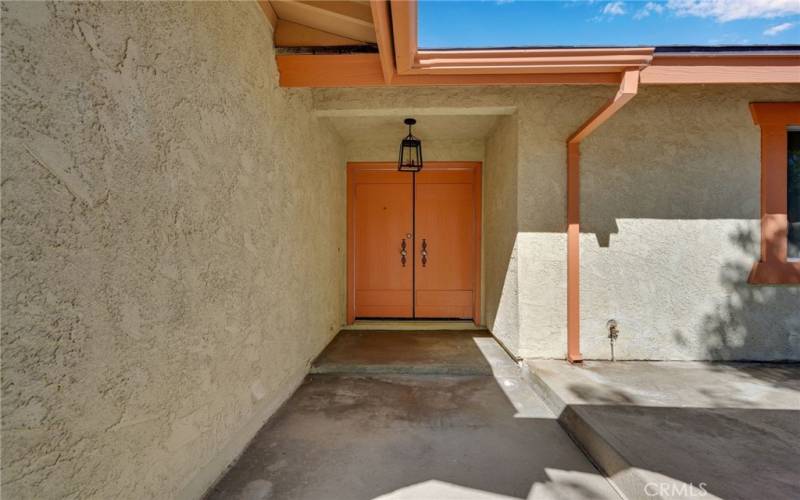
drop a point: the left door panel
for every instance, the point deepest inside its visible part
(381, 210)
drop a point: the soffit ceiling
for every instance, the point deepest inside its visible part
(428, 127)
(323, 23)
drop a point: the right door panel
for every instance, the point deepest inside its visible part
(445, 243)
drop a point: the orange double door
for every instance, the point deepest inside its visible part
(414, 241)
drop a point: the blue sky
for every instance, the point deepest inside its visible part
(509, 23)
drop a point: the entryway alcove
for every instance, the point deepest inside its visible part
(414, 241)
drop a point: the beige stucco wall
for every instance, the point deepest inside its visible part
(173, 244)
(670, 197)
(500, 233)
(670, 215)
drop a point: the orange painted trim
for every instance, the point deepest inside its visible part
(366, 70)
(404, 64)
(628, 87)
(782, 114)
(573, 253)
(721, 69)
(353, 167)
(351, 255)
(330, 70)
(639, 54)
(526, 61)
(786, 273)
(476, 295)
(773, 267)
(404, 28)
(383, 33)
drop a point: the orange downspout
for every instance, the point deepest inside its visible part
(627, 89)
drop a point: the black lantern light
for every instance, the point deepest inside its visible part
(410, 151)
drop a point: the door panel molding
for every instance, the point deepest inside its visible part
(431, 302)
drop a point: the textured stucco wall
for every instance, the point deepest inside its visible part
(173, 244)
(670, 215)
(500, 232)
(670, 197)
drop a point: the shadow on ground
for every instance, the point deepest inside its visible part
(421, 416)
(733, 428)
(358, 437)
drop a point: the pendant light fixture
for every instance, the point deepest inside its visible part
(410, 151)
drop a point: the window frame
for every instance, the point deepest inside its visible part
(774, 267)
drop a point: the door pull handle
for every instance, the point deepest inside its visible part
(424, 252)
(403, 253)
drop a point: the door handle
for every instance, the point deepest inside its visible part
(424, 252)
(403, 252)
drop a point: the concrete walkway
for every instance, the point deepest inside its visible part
(413, 416)
(682, 429)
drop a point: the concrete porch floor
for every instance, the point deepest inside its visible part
(733, 428)
(443, 415)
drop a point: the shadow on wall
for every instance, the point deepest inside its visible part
(736, 328)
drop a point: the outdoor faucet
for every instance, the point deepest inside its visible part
(613, 333)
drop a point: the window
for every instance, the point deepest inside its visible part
(779, 263)
(793, 200)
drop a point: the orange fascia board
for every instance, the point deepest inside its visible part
(610, 78)
(404, 30)
(366, 70)
(330, 70)
(530, 61)
(358, 70)
(656, 68)
(521, 69)
(383, 33)
(722, 69)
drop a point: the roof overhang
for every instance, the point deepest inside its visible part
(399, 61)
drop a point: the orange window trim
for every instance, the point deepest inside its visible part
(774, 268)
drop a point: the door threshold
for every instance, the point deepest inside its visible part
(403, 325)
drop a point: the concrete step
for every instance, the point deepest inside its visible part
(413, 325)
(406, 352)
(589, 439)
(680, 429)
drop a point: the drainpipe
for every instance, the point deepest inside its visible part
(627, 89)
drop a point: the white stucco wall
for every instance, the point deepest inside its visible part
(173, 244)
(670, 197)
